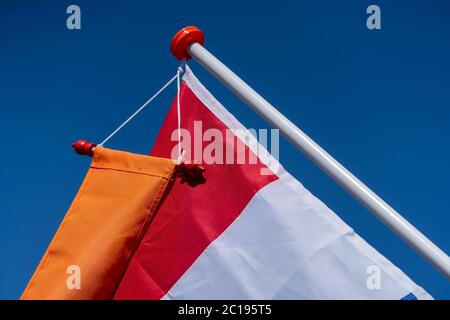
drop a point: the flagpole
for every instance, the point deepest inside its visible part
(188, 42)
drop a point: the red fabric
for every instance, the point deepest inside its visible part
(191, 217)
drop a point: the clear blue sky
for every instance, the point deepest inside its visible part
(379, 101)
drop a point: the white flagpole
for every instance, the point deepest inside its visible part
(188, 42)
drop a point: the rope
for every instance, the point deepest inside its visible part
(180, 154)
(176, 77)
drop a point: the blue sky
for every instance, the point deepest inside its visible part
(379, 101)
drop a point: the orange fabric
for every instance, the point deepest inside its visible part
(102, 227)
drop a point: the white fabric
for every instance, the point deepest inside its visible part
(286, 244)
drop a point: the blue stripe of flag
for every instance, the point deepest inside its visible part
(409, 296)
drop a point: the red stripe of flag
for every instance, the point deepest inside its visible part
(191, 217)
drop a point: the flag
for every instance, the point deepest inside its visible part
(144, 227)
(102, 228)
(242, 233)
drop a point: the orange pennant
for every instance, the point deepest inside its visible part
(102, 228)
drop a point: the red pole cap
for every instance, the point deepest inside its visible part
(84, 148)
(184, 38)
